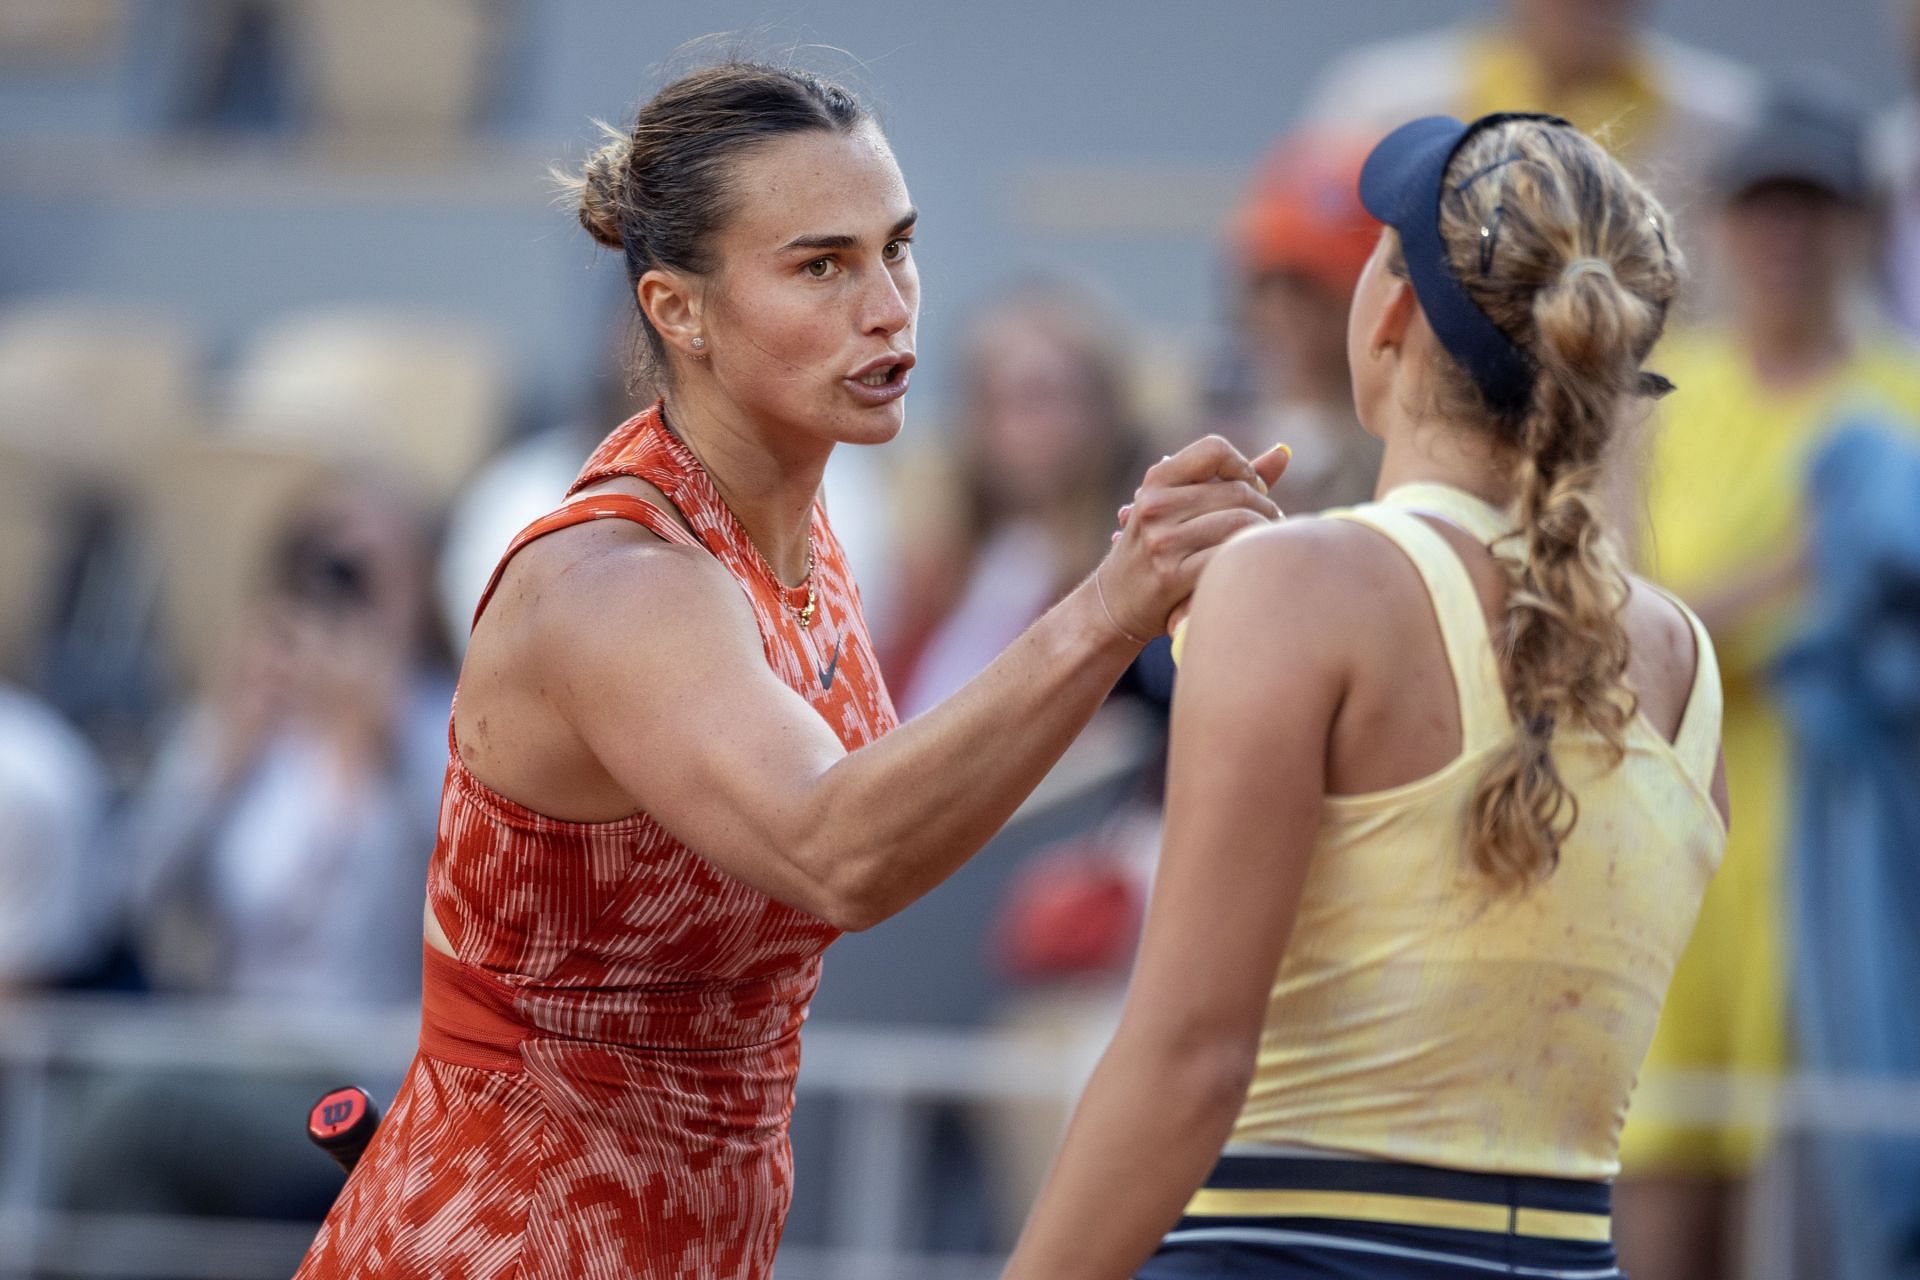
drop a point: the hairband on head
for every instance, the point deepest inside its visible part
(1484, 170)
(1403, 184)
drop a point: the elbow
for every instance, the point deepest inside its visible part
(1205, 1075)
(1220, 1079)
(849, 891)
(852, 912)
(863, 895)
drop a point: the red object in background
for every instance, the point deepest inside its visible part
(341, 1124)
(1303, 213)
(1072, 913)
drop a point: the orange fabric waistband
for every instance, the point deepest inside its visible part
(471, 1017)
(467, 1016)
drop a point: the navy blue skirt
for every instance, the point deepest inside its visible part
(1336, 1219)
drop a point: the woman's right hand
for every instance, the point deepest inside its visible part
(1186, 506)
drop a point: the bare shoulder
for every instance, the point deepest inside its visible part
(1276, 622)
(1658, 625)
(1305, 586)
(1315, 543)
(611, 582)
(1662, 655)
(587, 623)
(1303, 560)
(608, 589)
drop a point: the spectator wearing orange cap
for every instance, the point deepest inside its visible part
(1299, 241)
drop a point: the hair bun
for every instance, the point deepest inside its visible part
(1592, 326)
(1578, 267)
(599, 185)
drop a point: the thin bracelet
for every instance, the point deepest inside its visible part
(1101, 592)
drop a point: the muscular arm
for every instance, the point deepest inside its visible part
(1262, 677)
(653, 644)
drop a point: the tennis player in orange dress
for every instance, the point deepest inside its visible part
(675, 774)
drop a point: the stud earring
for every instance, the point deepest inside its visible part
(699, 344)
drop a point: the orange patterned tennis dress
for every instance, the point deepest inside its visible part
(606, 1072)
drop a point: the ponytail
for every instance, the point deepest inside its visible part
(1580, 278)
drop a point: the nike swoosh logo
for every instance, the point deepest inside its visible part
(826, 672)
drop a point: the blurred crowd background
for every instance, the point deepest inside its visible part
(293, 338)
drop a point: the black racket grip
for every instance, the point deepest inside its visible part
(342, 1124)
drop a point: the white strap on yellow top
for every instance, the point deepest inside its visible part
(1698, 742)
(1486, 522)
(1484, 717)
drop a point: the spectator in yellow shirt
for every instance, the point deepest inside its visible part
(1664, 108)
(1726, 469)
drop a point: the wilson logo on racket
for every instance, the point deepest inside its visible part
(336, 1112)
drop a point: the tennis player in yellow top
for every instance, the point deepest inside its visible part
(1444, 789)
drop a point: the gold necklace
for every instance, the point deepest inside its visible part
(805, 612)
(802, 613)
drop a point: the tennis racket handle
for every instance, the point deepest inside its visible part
(341, 1124)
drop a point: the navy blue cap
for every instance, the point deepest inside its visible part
(1402, 184)
(1803, 135)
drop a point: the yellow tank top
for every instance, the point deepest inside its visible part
(1419, 1017)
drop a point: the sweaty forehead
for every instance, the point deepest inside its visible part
(817, 183)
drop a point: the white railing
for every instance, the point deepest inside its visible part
(891, 1077)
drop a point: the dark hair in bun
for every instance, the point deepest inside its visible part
(658, 190)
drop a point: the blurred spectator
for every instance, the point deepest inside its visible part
(1897, 164)
(1851, 689)
(95, 391)
(1664, 108)
(99, 657)
(308, 774)
(1728, 466)
(279, 851)
(237, 77)
(1299, 240)
(56, 897)
(1046, 451)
